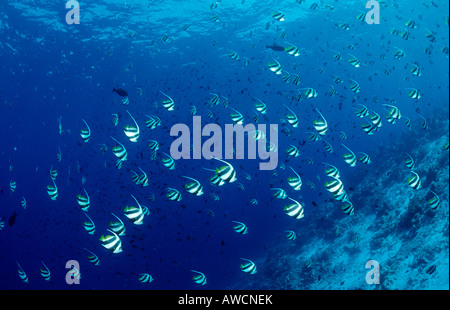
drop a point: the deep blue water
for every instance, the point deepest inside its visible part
(50, 70)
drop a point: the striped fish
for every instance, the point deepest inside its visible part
(22, 274)
(135, 177)
(376, 120)
(328, 146)
(292, 50)
(430, 35)
(199, 278)
(125, 100)
(135, 215)
(295, 182)
(414, 93)
(294, 210)
(394, 114)
(112, 243)
(292, 118)
(308, 92)
(404, 34)
(279, 193)
(103, 148)
(236, 117)
(143, 178)
(296, 80)
(145, 278)
(369, 128)
(434, 202)
(424, 122)
(53, 173)
(59, 155)
(23, 203)
(337, 55)
(225, 102)
(365, 159)
(173, 194)
(153, 121)
(215, 100)
(411, 24)
(354, 61)
(354, 86)
(253, 201)
(278, 16)
(52, 191)
(332, 171)
(361, 16)
(407, 122)
(214, 197)
(194, 188)
(409, 162)
(93, 258)
(85, 133)
(275, 67)
(193, 110)
(89, 226)
(215, 18)
(119, 150)
(132, 132)
(335, 186)
(117, 227)
(348, 208)
(233, 55)
(45, 273)
(258, 134)
(341, 197)
(414, 181)
(248, 267)
(168, 162)
(343, 135)
(84, 202)
(321, 125)
(364, 111)
(240, 228)
(415, 70)
(261, 107)
(314, 136)
(349, 158)
(332, 91)
(226, 173)
(290, 235)
(293, 151)
(168, 103)
(286, 76)
(399, 53)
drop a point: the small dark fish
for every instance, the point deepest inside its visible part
(314, 204)
(12, 219)
(431, 269)
(276, 48)
(121, 92)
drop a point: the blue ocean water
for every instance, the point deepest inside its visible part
(54, 75)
